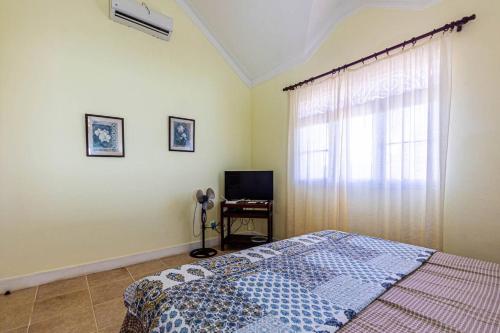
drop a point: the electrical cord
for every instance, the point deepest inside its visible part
(249, 223)
(244, 222)
(194, 218)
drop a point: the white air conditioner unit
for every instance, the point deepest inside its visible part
(139, 16)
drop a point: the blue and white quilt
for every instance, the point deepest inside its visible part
(311, 283)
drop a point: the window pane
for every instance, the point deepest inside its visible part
(395, 126)
(313, 138)
(313, 147)
(419, 124)
(394, 144)
(406, 155)
(408, 124)
(360, 147)
(406, 161)
(313, 165)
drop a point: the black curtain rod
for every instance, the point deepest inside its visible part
(450, 26)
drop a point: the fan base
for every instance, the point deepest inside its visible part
(203, 253)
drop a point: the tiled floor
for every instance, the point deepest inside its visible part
(85, 304)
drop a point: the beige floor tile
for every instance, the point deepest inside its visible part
(178, 260)
(109, 291)
(61, 287)
(81, 322)
(58, 304)
(66, 304)
(101, 278)
(17, 330)
(110, 314)
(147, 268)
(14, 316)
(111, 329)
(17, 297)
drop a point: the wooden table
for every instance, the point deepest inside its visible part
(244, 209)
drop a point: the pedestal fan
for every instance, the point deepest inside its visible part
(207, 202)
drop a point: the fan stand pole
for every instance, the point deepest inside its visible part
(203, 222)
(203, 252)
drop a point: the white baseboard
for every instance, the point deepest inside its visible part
(36, 279)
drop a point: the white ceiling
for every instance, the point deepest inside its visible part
(262, 38)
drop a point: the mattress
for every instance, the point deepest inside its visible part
(317, 282)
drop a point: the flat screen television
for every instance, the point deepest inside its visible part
(248, 185)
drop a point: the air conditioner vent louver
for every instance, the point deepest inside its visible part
(132, 14)
(141, 23)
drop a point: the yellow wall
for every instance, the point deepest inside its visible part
(472, 205)
(60, 59)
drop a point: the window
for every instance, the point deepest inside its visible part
(390, 145)
(406, 152)
(360, 147)
(314, 142)
(367, 147)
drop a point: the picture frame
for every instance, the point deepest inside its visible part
(181, 134)
(105, 136)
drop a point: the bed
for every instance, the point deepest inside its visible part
(327, 281)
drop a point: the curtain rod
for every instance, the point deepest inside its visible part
(449, 26)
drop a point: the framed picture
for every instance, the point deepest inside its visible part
(105, 136)
(181, 134)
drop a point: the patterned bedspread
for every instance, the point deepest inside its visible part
(312, 283)
(446, 294)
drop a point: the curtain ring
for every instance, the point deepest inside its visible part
(435, 31)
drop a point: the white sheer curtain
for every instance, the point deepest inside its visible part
(367, 148)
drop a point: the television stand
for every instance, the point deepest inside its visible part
(253, 209)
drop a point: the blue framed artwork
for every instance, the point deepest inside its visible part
(105, 136)
(181, 134)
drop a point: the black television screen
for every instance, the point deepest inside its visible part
(251, 185)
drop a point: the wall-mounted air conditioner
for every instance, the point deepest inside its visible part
(139, 16)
